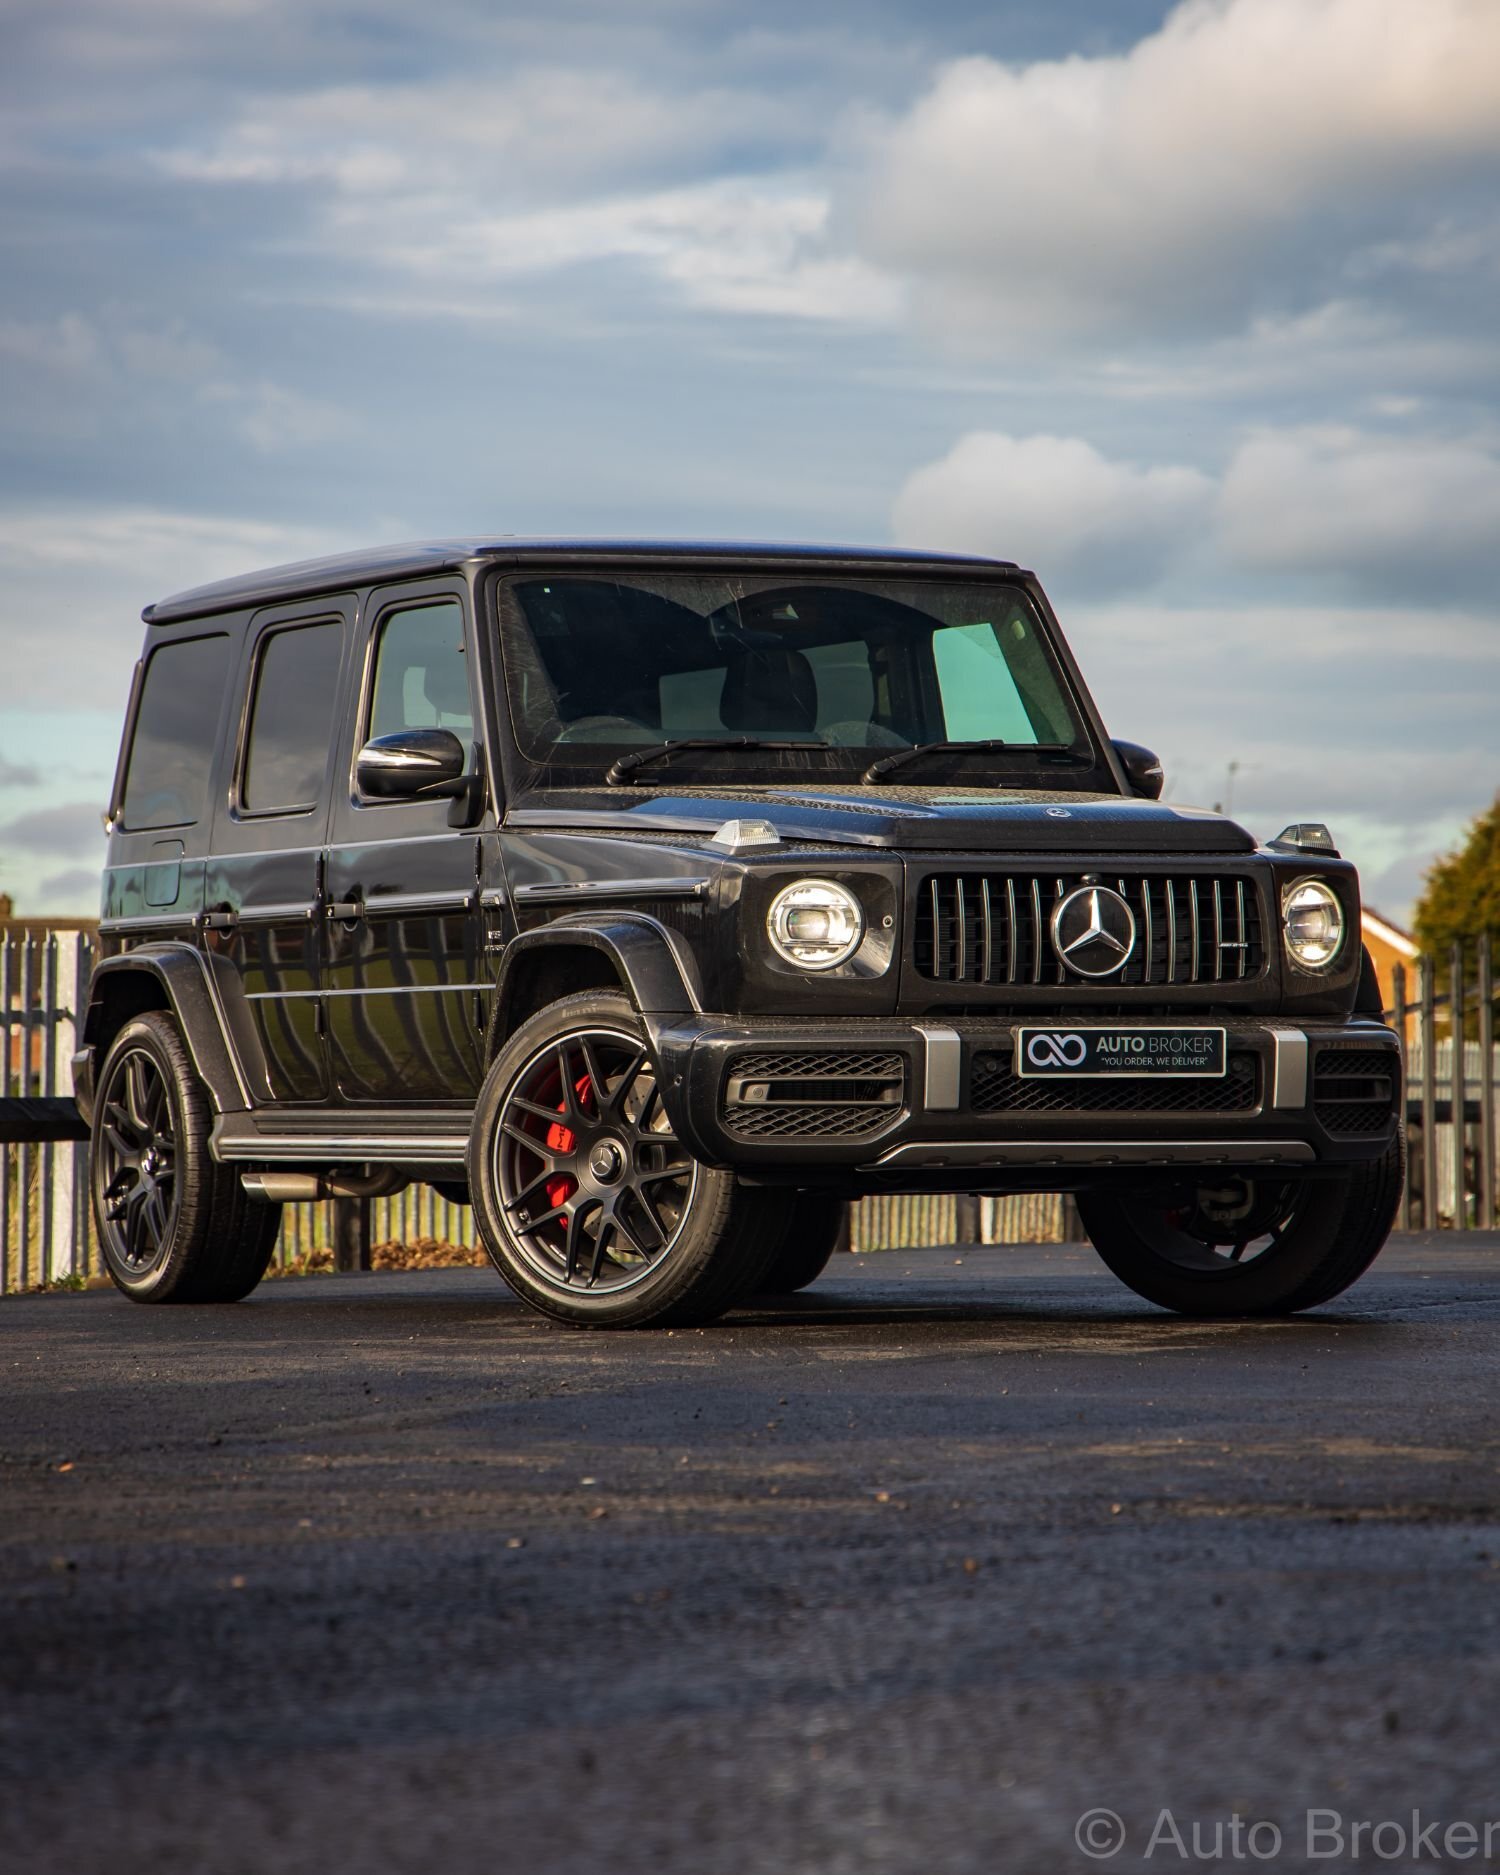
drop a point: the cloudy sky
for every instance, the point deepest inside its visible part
(1192, 308)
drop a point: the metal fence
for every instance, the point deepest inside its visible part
(1445, 1018)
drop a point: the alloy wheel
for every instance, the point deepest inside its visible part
(594, 1185)
(136, 1161)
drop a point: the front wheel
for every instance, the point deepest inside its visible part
(1238, 1246)
(814, 1231)
(589, 1205)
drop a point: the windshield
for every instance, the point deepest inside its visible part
(845, 670)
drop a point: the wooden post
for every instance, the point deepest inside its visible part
(1428, 1028)
(1458, 1082)
(61, 1030)
(1488, 1201)
(351, 1234)
(1398, 1017)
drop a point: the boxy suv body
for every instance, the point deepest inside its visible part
(662, 898)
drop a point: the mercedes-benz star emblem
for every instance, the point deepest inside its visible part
(1093, 931)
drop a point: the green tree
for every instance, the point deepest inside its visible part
(1461, 897)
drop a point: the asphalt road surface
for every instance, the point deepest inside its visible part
(382, 1573)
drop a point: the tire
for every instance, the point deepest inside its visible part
(632, 1231)
(811, 1237)
(1309, 1241)
(174, 1226)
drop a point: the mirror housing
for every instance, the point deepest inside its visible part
(1142, 770)
(413, 765)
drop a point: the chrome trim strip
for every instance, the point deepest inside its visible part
(150, 921)
(375, 989)
(935, 1155)
(943, 1073)
(275, 914)
(418, 901)
(1288, 1068)
(612, 888)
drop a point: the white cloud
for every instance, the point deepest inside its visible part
(1055, 503)
(1407, 512)
(73, 582)
(1383, 515)
(1235, 160)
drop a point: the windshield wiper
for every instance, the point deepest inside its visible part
(887, 764)
(1054, 754)
(626, 765)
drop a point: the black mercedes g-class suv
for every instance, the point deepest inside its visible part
(660, 898)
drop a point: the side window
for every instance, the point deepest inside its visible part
(291, 718)
(421, 672)
(171, 753)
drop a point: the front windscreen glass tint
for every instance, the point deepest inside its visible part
(610, 663)
(171, 753)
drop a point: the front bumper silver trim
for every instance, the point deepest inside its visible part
(1288, 1068)
(936, 1154)
(942, 1083)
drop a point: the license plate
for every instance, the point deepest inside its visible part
(1110, 1054)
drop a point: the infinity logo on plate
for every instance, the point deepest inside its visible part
(1056, 1051)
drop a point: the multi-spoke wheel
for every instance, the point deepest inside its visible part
(588, 1203)
(173, 1225)
(135, 1165)
(1247, 1245)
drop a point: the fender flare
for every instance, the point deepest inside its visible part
(653, 963)
(192, 997)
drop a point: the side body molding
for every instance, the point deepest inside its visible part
(194, 998)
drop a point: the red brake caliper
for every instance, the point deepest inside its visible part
(560, 1139)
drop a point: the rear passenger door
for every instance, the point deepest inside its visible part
(405, 990)
(262, 896)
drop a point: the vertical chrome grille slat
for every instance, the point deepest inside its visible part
(989, 936)
(1012, 961)
(961, 923)
(1196, 967)
(1218, 932)
(1244, 950)
(1036, 930)
(1150, 936)
(1171, 933)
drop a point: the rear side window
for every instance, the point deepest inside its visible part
(421, 673)
(172, 751)
(291, 718)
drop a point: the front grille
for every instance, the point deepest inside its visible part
(813, 1093)
(995, 1087)
(996, 928)
(1354, 1089)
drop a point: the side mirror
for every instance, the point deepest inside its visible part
(411, 765)
(1142, 769)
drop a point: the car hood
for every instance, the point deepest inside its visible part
(938, 819)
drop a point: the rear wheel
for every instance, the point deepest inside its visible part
(174, 1226)
(588, 1204)
(1248, 1245)
(812, 1235)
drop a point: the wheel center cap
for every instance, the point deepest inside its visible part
(606, 1161)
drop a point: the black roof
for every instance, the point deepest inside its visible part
(417, 558)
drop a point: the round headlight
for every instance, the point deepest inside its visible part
(815, 924)
(1314, 921)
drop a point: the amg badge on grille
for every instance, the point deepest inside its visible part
(1093, 931)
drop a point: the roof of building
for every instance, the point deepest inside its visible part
(1388, 932)
(415, 559)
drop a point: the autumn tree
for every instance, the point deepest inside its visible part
(1461, 897)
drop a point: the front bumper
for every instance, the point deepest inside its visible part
(884, 1105)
